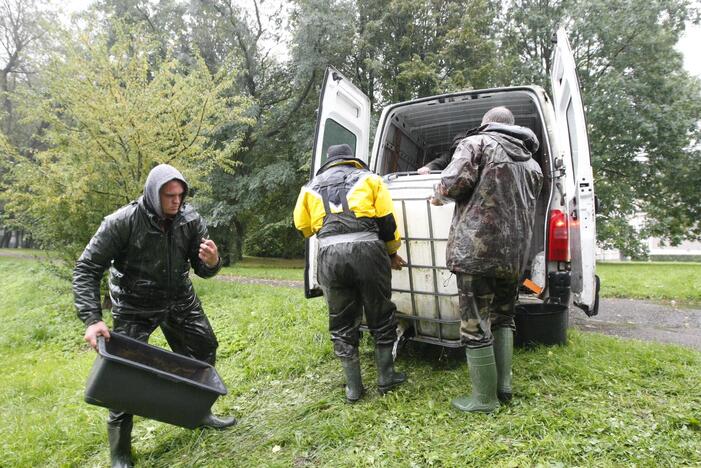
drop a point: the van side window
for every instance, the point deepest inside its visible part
(336, 134)
(574, 151)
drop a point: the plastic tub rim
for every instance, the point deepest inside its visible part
(102, 351)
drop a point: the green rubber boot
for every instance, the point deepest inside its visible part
(387, 378)
(483, 375)
(119, 436)
(503, 354)
(354, 381)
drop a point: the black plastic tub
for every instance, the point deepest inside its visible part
(541, 324)
(137, 378)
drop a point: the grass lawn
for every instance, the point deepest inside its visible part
(599, 401)
(24, 252)
(269, 268)
(666, 281)
(657, 281)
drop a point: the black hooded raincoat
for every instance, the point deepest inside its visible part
(149, 258)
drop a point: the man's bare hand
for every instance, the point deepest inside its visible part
(440, 191)
(95, 330)
(397, 262)
(424, 170)
(209, 253)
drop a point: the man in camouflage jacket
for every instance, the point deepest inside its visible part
(495, 184)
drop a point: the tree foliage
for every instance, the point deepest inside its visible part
(227, 91)
(642, 107)
(22, 45)
(110, 112)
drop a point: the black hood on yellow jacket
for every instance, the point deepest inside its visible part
(341, 154)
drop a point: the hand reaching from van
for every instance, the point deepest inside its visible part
(397, 262)
(95, 330)
(424, 170)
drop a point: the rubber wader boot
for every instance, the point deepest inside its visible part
(354, 381)
(483, 375)
(387, 378)
(503, 353)
(119, 436)
(214, 422)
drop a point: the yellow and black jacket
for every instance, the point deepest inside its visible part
(346, 197)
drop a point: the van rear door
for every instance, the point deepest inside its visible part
(574, 150)
(343, 116)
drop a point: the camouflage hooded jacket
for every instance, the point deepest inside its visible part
(495, 184)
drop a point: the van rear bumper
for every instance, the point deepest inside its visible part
(559, 290)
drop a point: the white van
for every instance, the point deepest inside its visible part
(561, 266)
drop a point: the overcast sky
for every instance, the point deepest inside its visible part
(688, 45)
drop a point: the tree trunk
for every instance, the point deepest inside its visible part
(5, 241)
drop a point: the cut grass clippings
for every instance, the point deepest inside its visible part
(599, 401)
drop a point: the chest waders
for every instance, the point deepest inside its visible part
(355, 276)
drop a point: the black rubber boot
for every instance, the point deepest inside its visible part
(119, 435)
(387, 378)
(354, 381)
(503, 354)
(483, 375)
(214, 422)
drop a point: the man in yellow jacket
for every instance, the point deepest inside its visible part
(351, 212)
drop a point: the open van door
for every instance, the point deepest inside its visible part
(574, 151)
(343, 116)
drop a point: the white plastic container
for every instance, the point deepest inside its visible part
(425, 292)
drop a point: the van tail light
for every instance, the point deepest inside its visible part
(558, 237)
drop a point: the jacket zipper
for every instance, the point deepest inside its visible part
(168, 257)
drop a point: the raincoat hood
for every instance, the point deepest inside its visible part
(341, 154)
(519, 142)
(157, 178)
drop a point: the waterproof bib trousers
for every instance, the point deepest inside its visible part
(354, 274)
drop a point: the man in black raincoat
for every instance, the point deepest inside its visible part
(350, 210)
(495, 184)
(441, 161)
(149, 246)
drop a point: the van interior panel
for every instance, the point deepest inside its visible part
(421, 131)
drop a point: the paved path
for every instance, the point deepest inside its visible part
(630, 318)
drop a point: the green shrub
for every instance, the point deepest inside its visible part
(279, 239)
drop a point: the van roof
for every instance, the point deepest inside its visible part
(436, 119)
